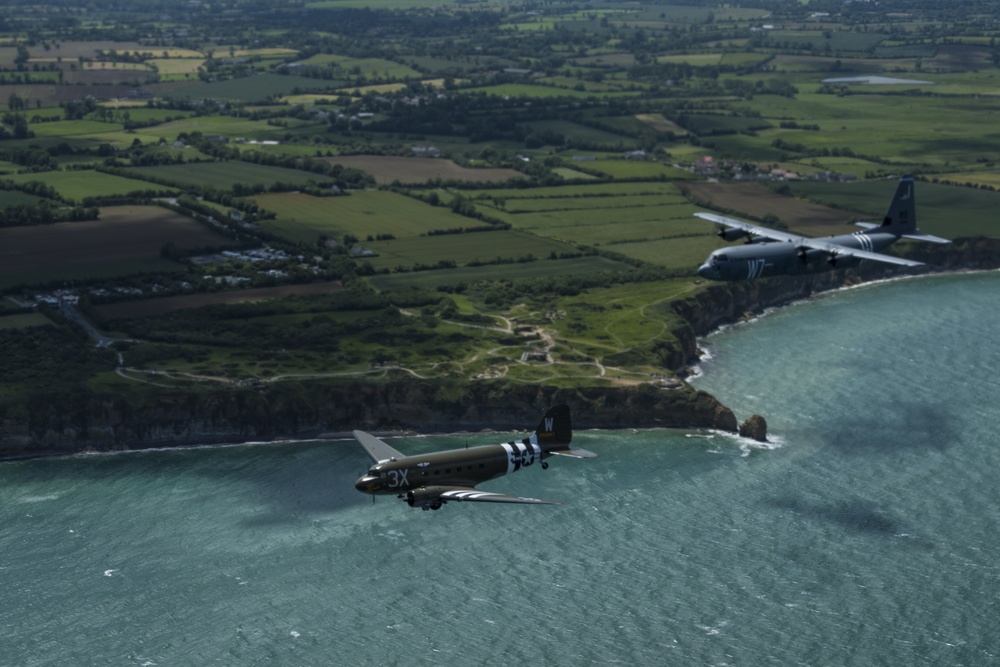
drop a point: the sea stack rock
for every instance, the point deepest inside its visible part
(754, 427)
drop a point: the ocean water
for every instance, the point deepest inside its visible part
(866, 533)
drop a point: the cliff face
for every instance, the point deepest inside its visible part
(61, 423)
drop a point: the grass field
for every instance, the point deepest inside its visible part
(76, 185)
(408, 170)
(15, 197)
(226, 126)
(631, 169)
(492, 272)
(463, 248)
(529, 90)
(301, 217)
(24, 321)
(934, 131)
(247, 89)
(224, 175)
(153, 307)
(126, 239)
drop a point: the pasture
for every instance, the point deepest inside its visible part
(489, 246)
(18, 198)
(23, 321)
(225, 126)
(154, 307)
(78, 184)
(636, 169)
(493, 272)
(225, 175)
(932, 131)
(301, 217)
(652, 222)
(125, 240)
(370, 67)
(247, 89)
(410, 170)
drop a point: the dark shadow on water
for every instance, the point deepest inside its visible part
(893, 426)
(859, 516)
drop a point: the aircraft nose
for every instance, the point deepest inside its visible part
(367, 484)
(706, 270)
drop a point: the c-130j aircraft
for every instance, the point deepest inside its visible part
(768, 252)
(428, 481)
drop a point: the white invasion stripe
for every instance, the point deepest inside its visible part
(510, 456)
(464, 495)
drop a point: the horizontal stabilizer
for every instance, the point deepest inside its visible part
(574, 452)
(920, 236)
(376, 449)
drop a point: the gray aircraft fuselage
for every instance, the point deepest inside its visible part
(773, 258)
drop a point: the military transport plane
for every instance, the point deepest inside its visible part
(430, 480)
(768, 252)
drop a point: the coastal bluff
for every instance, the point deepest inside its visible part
(63, 421)
(72, 422)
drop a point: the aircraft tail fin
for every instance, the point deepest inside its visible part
(555, 432)
(901, 218)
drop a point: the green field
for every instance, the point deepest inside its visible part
(636, 169)
(462, 249)
(301, 217)
(224, 175)
(494, 272)
(24, 321)
(78, 184)
(16, 198)
(372, 67)
(247, 89)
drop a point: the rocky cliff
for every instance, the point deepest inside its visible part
(61, 423)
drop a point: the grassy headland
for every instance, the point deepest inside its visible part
(390, 195)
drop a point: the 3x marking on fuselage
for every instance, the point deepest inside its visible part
(477, 464)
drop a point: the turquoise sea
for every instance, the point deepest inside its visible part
(866, 533)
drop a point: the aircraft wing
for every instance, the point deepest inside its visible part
(805, 241)
(751, 229)
(844, 251)
(376, 449)
(472, 494)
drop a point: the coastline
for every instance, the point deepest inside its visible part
(67, 423)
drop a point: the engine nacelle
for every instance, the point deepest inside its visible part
(731, 234)
(842, 261)
(424, 498)
(809, 255)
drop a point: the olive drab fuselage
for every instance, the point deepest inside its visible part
(464, 467)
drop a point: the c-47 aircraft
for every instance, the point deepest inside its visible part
(769, 252)
(430, 480)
